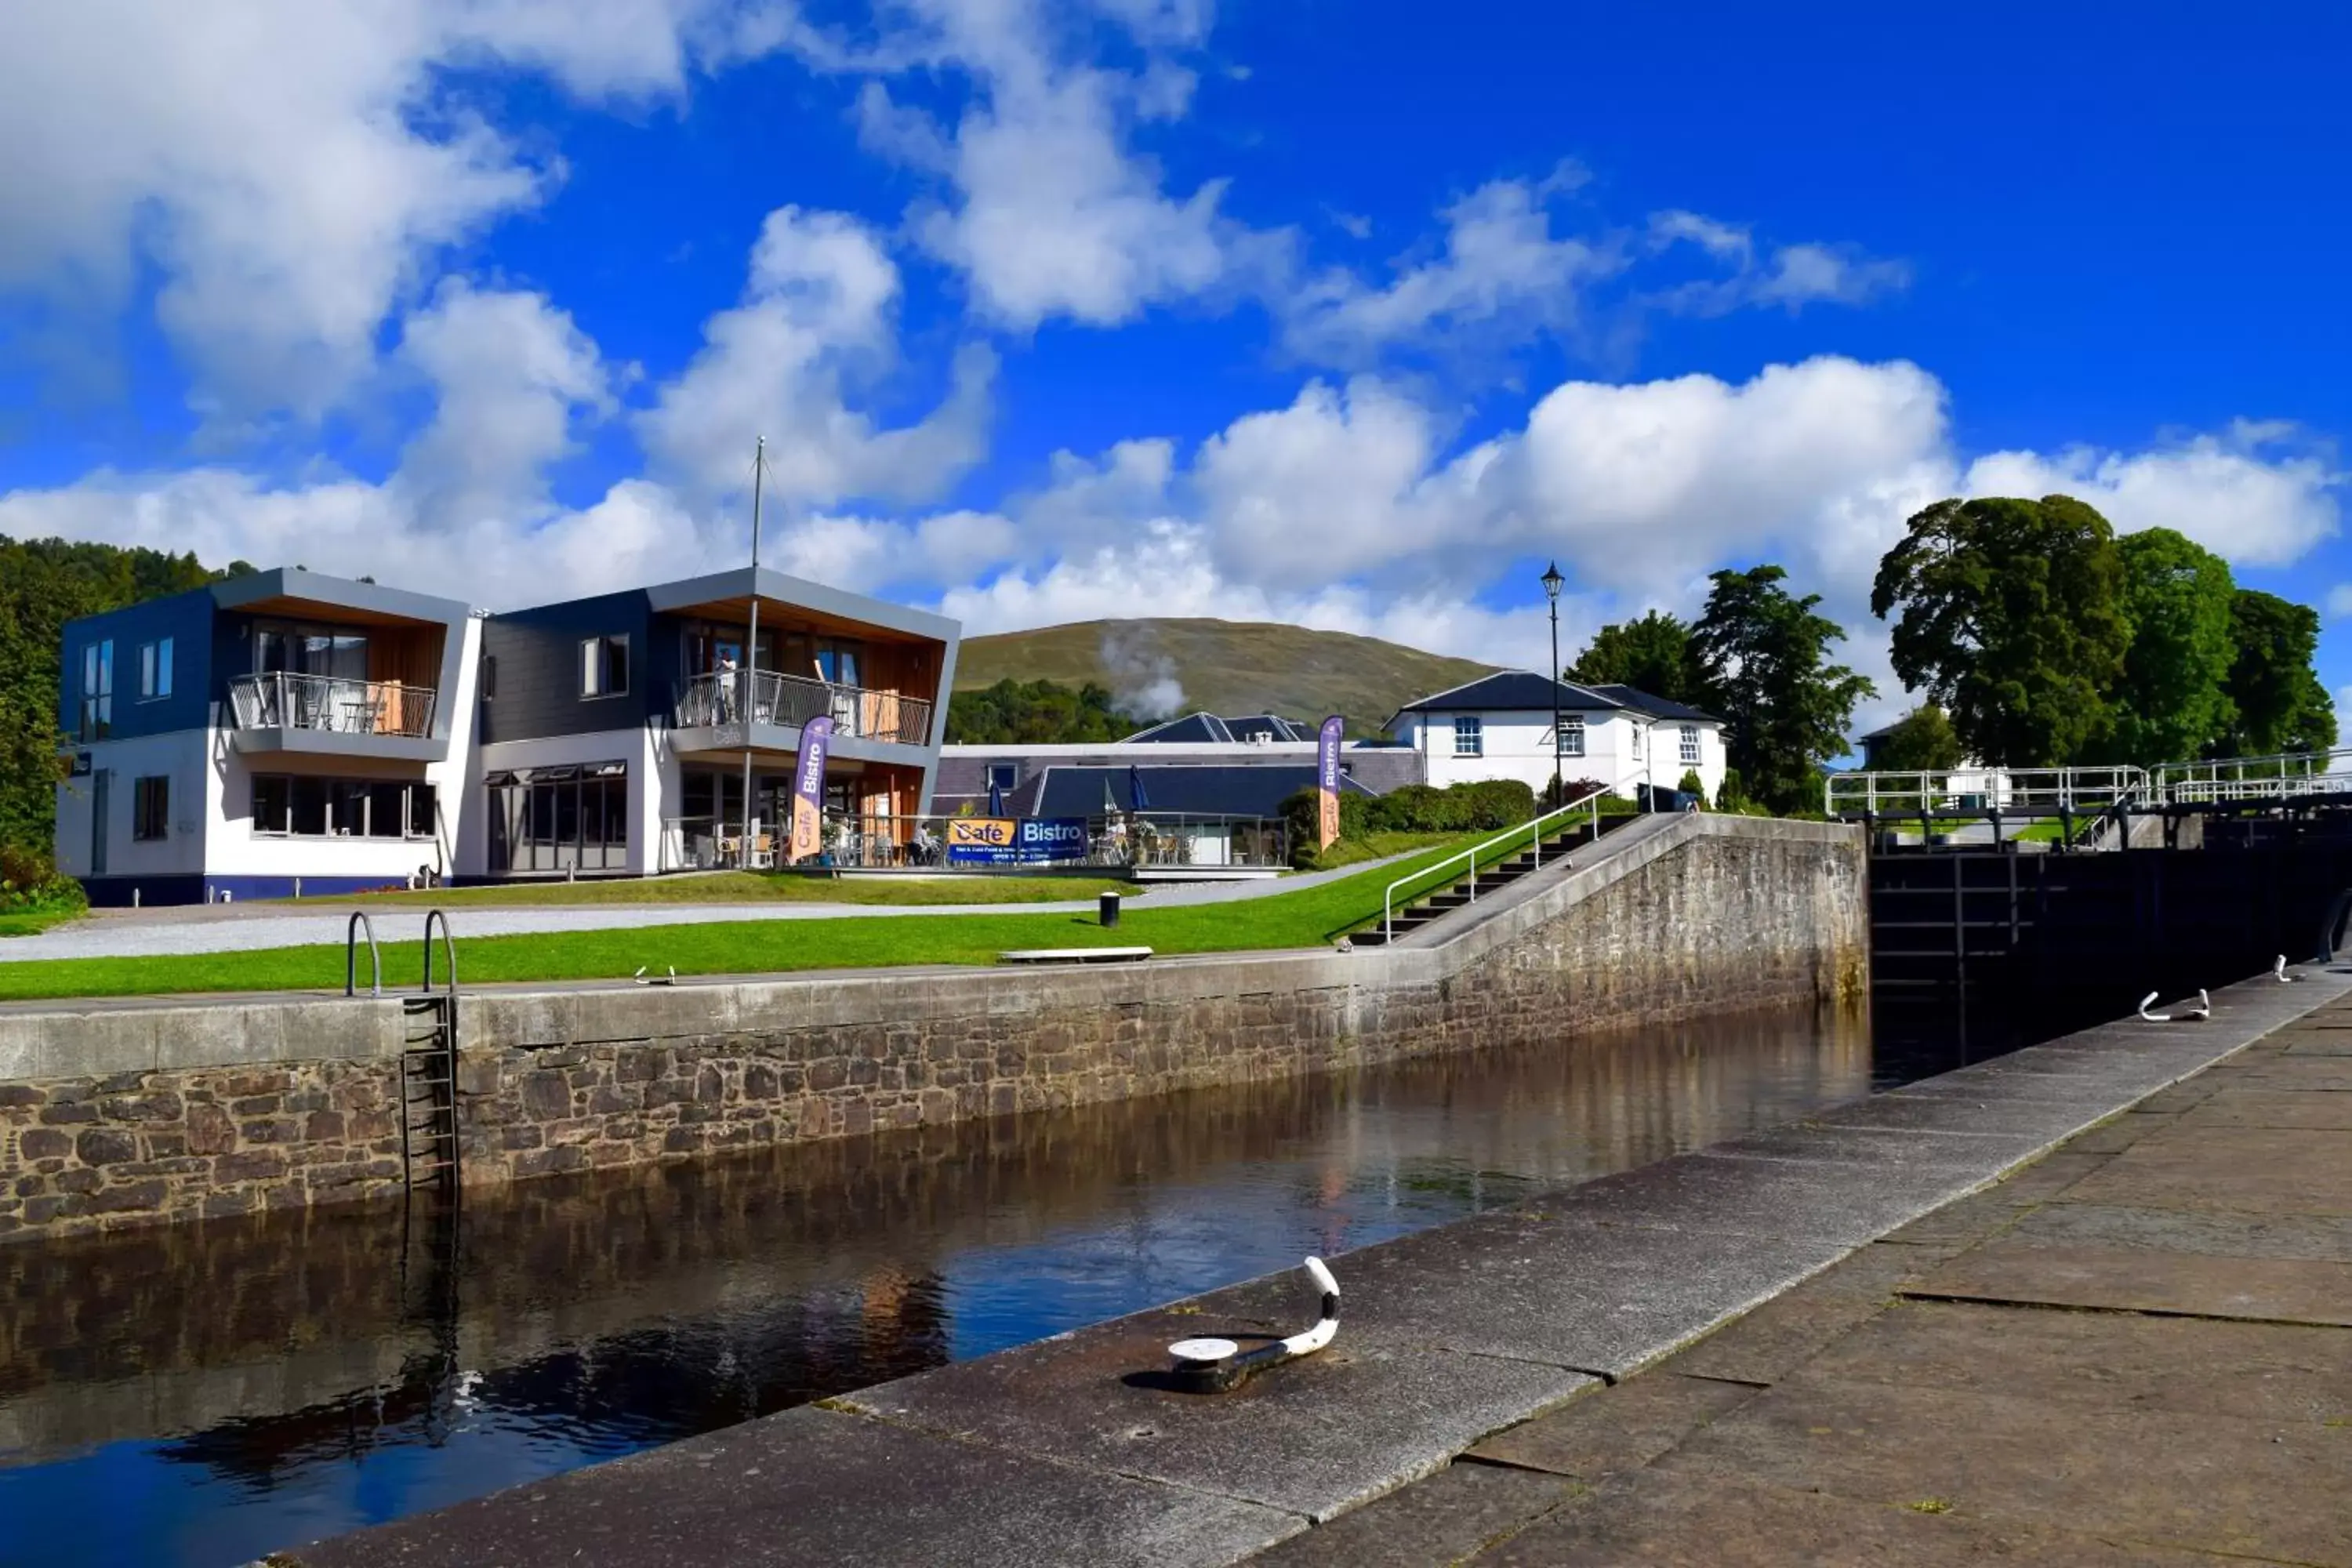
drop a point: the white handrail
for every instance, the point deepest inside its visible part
(1388, 896)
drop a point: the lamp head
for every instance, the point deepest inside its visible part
(1552, 580)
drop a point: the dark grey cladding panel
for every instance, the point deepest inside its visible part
(536, 656)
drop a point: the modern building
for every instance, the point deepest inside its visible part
(613, 729)
(281, 731)
(1500, 727)
(289, 731)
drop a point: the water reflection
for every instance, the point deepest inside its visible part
(205, 1394)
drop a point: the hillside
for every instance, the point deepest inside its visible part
(1160, 667)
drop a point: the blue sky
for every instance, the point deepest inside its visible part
(1351, 314)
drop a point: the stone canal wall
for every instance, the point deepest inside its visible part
(119, 1115)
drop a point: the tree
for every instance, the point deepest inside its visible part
(1921, 742)
(44, 583)
(2172, 702)
(1763, 657)
(1651, 654)
(1035, 712)
(2012, 619)
(2279, 702)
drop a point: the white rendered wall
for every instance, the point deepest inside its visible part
(1621, 750)
(179, 756)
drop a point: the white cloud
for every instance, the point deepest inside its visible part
(1502, 267)
(817, 317)
(514, 377)
(1788, 276)
(2339, 601)
(288, 167)
(1051, 209)
(2246, 493)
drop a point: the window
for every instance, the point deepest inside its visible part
(1690, 743)
(155, 669)
(150, 809)
(1468, 740)
(1637, 730)
(98, 690)
(605, 667)
(567, 817)
(1571, 737)
(489, 676)
(1004, 776)
(341, 808)
(297, 647)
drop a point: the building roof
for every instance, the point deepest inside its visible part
(1656, 707)
(1230, 790)
(1197, 728)
(1525, 691)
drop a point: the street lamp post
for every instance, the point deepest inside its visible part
(1551, 582)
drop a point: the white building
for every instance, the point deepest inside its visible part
(1500, 727)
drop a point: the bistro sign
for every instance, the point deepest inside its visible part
(1015, 841)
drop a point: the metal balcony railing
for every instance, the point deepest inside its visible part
(283, 701)
(717, 701)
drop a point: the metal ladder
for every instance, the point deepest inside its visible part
(429, 1075)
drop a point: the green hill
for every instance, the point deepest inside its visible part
(1162, 666)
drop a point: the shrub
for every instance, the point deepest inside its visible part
(30, 884)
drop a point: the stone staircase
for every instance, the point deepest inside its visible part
(1444, 898)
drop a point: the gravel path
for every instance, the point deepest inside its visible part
(156, 932)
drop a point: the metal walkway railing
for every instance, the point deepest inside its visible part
(1429, 878)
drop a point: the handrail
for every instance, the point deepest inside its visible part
(2277, 776)
(1931, 792)
(449, 947)
(359, 923)
(1388, 896)
(716, 699)
(283, 699)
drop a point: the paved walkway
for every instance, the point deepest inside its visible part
(149, 933)
(2138, 1349)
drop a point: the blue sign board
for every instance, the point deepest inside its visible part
(1023, 841)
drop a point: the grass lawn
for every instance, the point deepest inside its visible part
(1308, 916)
(1376, 847)
(33, 922)
(747, 888)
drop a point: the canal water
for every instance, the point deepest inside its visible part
(207, 1395)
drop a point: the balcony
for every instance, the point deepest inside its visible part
(284, 711)
(715, 702)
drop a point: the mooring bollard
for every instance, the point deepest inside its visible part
(1218, 1365)
(1107, 909)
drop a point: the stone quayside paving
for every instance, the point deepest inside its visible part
(2131, 1350)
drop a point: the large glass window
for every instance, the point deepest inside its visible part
(298, 648)
(342, 808)
(1469, 737)
(1690, 743)
(562, 818)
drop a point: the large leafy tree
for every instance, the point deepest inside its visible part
(2171, 701)
(2279, 702)
(2009, 614)
(1921, 742)
(1035, 712)
(1651, 654)
(1763, 654)
(44, 583)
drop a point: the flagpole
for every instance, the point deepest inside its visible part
(752, 653)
